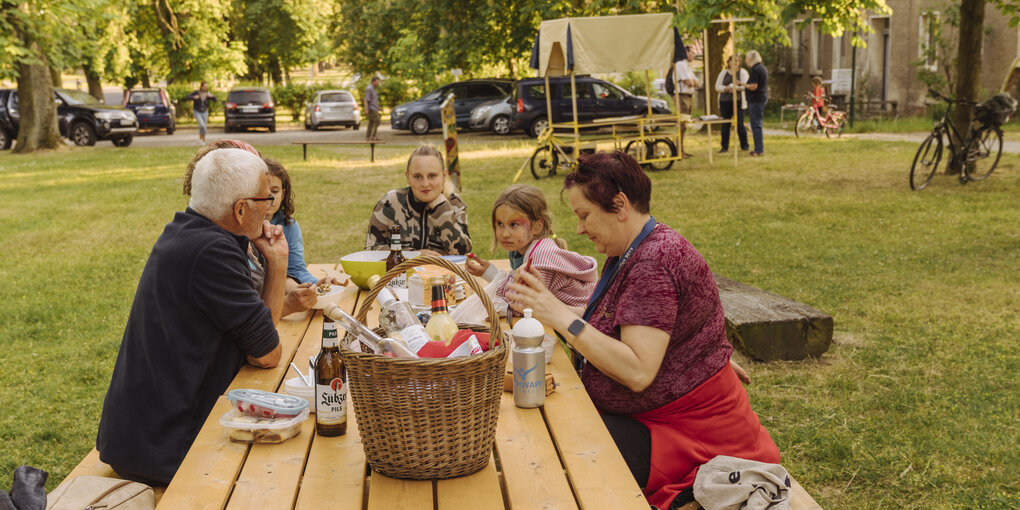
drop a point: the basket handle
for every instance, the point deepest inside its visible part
(495, 330)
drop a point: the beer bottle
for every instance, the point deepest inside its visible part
(396, 256)
(441, 327)
(330, 385)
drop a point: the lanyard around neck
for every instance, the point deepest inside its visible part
(613, 266)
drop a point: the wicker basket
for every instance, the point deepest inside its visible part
(427, 418)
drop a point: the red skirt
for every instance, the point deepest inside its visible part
(713, 419)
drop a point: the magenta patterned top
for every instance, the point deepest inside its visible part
(668, 286)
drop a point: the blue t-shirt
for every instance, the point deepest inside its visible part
(296, 267)
(194, 318)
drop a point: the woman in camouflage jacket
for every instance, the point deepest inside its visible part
(431, 216)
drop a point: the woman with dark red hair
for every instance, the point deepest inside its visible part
(652, 340)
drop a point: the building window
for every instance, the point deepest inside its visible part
(928, 37)
(816, 47)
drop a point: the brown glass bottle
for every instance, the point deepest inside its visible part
(396, 257)
(330, 385)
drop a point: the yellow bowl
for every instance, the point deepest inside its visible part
(361, 265)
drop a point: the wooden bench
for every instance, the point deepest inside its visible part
(372, 144)
(769, 326)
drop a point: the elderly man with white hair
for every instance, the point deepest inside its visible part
(195, 320)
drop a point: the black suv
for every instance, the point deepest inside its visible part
(153, 109)
(249, 107)
(596, 99)
(423, 114)
(80, 117)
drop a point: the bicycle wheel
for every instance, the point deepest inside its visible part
(805, 124)
(835, 127)
(658, 149)
(983, 153)
(637, 150)
(926, 162)
(543, 162)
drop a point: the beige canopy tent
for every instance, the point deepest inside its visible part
(612, 44)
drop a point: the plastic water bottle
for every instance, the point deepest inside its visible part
(529, 362)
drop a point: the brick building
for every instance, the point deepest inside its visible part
(887, 73)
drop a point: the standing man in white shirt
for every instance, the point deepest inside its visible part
(689, 84)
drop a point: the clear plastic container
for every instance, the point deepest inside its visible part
(249, 429)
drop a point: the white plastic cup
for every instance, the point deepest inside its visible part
(294, 386)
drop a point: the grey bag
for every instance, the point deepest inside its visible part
(99, 492)
(729, 483)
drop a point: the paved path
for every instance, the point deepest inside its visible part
(1008, 146)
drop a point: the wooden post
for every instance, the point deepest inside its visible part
(577, 130)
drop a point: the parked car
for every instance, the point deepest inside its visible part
(494, 115)
(249, 107)
(80, 117)
(333, 108)
(8, 130)
(153, 109)
(422, 115)
(596, 99)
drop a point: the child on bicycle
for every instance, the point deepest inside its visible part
(818, 96)
(522, 225)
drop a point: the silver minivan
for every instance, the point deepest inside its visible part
(333, 108)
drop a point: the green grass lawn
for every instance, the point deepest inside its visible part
(914, 406)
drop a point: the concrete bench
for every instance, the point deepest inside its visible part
(372, 144)
(769, 326)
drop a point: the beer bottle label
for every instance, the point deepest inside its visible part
(329, 336)
(398, 282)
(331, 403)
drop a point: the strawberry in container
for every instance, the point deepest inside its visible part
(263, 404)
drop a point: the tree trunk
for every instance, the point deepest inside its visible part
(968, 67)
(95, 87)
(720, 48)
(38, 112)
(56, 79)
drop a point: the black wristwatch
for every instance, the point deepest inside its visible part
(576, 327)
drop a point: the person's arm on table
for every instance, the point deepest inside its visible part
(273, 246)
(633, 361)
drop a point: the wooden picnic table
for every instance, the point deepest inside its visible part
(559, 456)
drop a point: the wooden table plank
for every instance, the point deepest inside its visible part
(334, 475)
(531, 467)
(272, 473)
(478, 491)
(391, 494)
(207, 474)
(597, 471)
(291, 329)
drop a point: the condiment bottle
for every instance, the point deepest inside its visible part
(399, 320)
(396, 257)
(528, 361)
(330, 385)
(385, 346)
(441, 327)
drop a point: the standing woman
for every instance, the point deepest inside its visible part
(757, 86)
(431, 216)
(653, 335)
(724, 85)
(200, 107)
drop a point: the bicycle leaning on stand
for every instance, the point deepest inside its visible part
(811, 122)
(982, 145)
